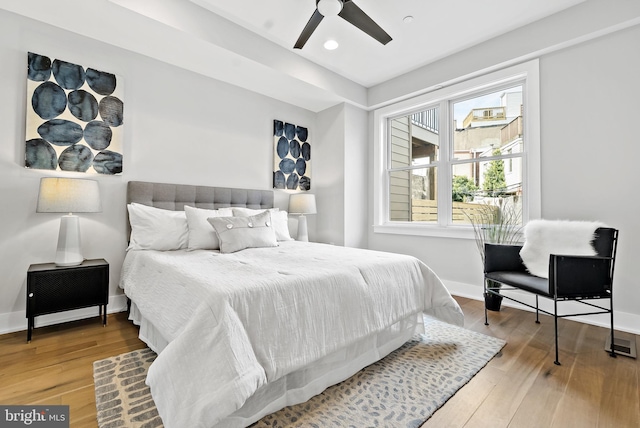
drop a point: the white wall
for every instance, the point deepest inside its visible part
(589, 149)
(356, 173)
(179, 127)
(589, 19)
(341, 156)
(330, 183)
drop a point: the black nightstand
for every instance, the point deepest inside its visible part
(52, 289)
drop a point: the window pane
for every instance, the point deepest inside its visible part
(400, 196)
(424, 206)
(476, 184)
(425, 139)
(486, 122)
(415, 139)
(413, 195)
(400, 142)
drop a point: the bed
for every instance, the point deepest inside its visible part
(244, 331)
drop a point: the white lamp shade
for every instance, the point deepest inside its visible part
(68, 195)
(302, 203)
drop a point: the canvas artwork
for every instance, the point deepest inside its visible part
(74, 117)
(291, 160)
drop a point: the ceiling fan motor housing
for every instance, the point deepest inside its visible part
(329, 7)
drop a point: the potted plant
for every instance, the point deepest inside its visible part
(496, 221)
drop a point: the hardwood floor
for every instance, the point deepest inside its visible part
(522, 387)
(519, 388)
(57, 366)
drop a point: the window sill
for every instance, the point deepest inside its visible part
(433, 230)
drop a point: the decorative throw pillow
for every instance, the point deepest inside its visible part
(238, 233)
(545, 237)
(201, 235)
(279, 220)
(156, 229)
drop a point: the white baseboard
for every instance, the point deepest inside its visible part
(17, 321)
(623, 321)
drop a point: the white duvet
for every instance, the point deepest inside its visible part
(236, 321)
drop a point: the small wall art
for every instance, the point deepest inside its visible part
(292, 156)
(74, 117)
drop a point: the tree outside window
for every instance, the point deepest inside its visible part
(494, 180)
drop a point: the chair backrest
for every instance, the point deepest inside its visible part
(573, 279)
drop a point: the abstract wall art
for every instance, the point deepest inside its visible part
(74, 119)
(292, 157)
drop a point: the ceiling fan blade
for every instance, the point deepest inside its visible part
(309, 29)
(353, 14)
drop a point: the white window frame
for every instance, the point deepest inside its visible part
(525, 74)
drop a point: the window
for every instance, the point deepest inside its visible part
(441, 154)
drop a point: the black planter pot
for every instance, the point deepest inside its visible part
(492, 302)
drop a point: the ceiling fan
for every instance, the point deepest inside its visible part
(347, 10)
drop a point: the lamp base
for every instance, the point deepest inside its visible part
(303, 235)
(69, 252)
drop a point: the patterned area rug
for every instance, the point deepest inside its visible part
(401, 390)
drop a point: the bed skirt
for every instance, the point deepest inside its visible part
(301, 385)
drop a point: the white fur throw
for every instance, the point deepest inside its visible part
(545, 237)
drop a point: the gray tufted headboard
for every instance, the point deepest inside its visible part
(175, 196)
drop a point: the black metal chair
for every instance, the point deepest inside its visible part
(571, 278)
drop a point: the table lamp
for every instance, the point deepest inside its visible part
(68, 195)
(301, 204)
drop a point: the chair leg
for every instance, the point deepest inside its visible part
(612, 352)
(537, 313)
(486, 317)
(555, 318)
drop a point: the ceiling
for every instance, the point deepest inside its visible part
(439, 28)
(249, 43)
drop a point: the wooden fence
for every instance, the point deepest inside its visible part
(427, 210)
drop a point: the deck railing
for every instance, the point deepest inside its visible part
(427, 119)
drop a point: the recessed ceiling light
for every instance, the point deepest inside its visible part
(407, 19)
(330, 45)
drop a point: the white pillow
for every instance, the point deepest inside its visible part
(201, 235)
(156, 229)
(238, 233)
(279, 220)
(246, 212)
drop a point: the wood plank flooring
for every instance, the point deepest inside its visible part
(519, 388)
(522, 388)
(57, 366)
